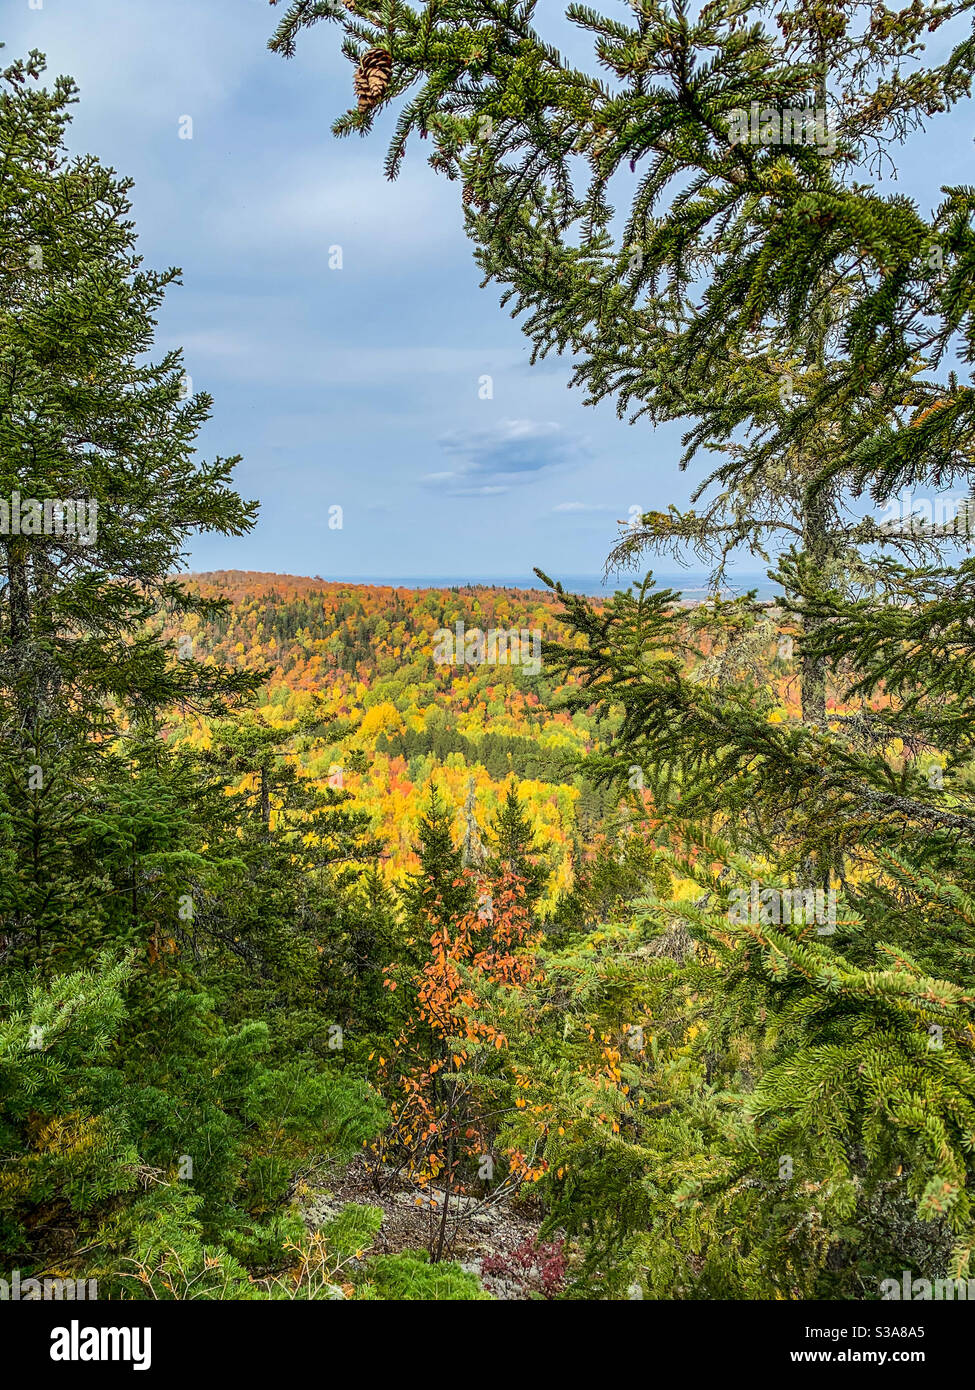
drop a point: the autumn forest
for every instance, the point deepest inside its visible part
(443, 941)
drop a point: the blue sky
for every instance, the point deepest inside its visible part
(356, 387)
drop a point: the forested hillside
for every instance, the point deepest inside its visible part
(392, 720)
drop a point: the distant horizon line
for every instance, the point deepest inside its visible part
(691, 586)
(481, 579)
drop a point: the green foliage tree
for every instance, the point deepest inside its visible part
(514, 847)
(440, 889)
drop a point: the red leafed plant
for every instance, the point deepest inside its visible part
(535, 1266)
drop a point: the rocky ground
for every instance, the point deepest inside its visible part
(479, 1232)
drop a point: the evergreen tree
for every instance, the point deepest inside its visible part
(151, 1134)
(99, 484)
(87, 422)
(839, 1041)
(514, 847)
(440, 889)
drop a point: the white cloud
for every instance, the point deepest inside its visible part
(491, 459)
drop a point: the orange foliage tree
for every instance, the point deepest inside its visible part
(448, 1081)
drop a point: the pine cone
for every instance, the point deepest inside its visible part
(372, 77)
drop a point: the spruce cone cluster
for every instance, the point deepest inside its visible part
(471, 197)
(372, 77)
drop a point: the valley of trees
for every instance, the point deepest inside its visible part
(332, 972)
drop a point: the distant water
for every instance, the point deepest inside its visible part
(690, 584)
